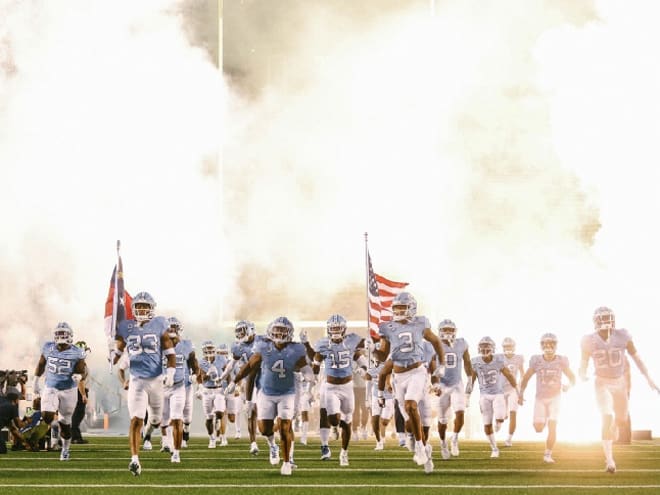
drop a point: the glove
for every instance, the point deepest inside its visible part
(76, 377)
(169, 377)
(303, 337)
(370, 345)
(565, 387)
(231, 386)
(436, 388)
(381, 399)
(439, 371)
(468, 387)
(198, 393)
(36, 387)
(362, 371)
(467, 400)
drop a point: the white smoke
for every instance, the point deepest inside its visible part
(503, 165)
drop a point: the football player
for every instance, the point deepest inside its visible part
(174, 396)
(401, 341)
(64, 365)
(452, 397)
(213, 400)
(487, 367)
(278, 357)
(337, 351)
(380, 416)
(548, 368)
(147, 341)
(607, 347)
(515, 363)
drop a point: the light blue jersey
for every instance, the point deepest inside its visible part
(60, 365)
(548, 375)
(241, 351)
(515, 364)
(278, 365)
(212, 369)
(488, 374)
(182, 352)
(609, 355)
(143, 344)
(406, 340)
(338, 357)
(454, 362)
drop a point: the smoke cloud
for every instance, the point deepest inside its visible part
(502, 164)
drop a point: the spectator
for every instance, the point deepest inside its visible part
(9, 415)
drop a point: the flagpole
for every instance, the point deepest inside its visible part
(115, 300)
(366, 271)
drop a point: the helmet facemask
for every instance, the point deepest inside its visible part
(63, 334)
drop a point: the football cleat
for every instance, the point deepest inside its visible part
(147, 445)
(212, 443)
(64, 455)
(454, 447)
(428, 465)
(508, 443)
(175, 457)
(184, 444)
(495, 453)
(285, 469)
(254, 448)
(343, 458)
(275, 456)
(379, 445)
(410, 443)
(223, 441)
(444, 451)
(420, 456)
(165, 448)
(610, 467)
(548, 459)
(135, 468)
(325, 452)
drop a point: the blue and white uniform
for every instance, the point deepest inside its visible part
(213, 398)
(515, 365)
(276, 398)
(451, 384)
(60, 393)
(548, 386)
(338, 360)
(174, 397)
(145, 354)
(491, 401)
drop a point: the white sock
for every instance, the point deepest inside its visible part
(271, 440)
(66, 443)
(324, 433)
(135, 458)
(493, 442)
(607, 449)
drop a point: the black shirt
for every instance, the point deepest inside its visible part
(8, 412)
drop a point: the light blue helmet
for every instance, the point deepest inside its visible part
(174, 327)
(447, 331)
(336, 327)
(280, 330)
(407, 307)
(208, 349)
(244, 330)
(63, 333)
(486, 346)
(143, 314)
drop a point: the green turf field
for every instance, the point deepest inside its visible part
(101, 467)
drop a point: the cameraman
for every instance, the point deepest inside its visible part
(13, 380)
(9, 415)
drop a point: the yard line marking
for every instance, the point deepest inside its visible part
(326, 485)
(354, 470)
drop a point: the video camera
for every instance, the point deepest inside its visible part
(13, 377)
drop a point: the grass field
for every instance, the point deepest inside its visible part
(101, 467)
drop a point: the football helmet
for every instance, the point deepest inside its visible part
(447, 331)
(63, 333)
(404, 307)
(509, 347)
(549, 344)
(174, 327)
(604, 319)
(336, 327)
(244, 330)
(208, 349)
(222, 350)
(486, 346)
(280, 330)
(143, 313)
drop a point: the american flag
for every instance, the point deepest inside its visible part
(381, 293)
